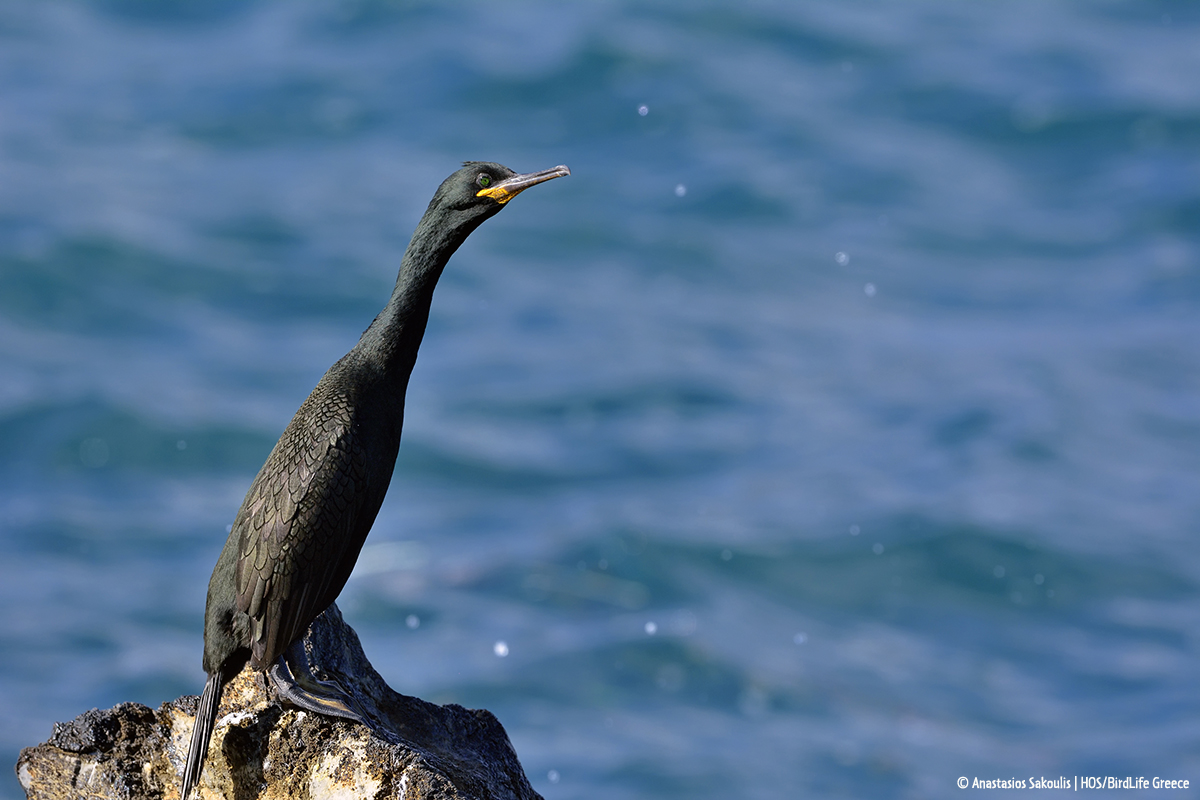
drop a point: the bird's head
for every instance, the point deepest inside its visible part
(460, 205)
(481, 188)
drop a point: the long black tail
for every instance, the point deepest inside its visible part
(206, 717)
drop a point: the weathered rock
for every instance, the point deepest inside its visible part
(266, 749)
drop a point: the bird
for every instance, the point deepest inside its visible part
(298, 533)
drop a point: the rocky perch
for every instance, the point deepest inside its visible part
(265, 749)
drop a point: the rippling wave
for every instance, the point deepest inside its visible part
(833, 431)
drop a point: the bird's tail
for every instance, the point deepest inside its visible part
(206, 717)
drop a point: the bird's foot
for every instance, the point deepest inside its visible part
(300, 682)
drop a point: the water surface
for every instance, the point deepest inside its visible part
(832, 431)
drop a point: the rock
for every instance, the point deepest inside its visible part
(263, 748)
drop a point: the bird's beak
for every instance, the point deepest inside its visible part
(509, 188)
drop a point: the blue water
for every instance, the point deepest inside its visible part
(832, 431)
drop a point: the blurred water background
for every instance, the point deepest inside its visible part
(833, 431)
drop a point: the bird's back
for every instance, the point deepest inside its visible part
(299, 531)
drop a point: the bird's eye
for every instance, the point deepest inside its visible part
(484, 181)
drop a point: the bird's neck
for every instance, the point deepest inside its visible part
(392, 340)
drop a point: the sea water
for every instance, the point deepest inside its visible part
(832, 431)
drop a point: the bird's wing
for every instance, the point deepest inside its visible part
(303, 518)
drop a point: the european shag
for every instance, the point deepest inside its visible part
(298, 533)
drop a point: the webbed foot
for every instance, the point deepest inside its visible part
(303, 683)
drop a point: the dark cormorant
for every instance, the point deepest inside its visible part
(299, 531)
